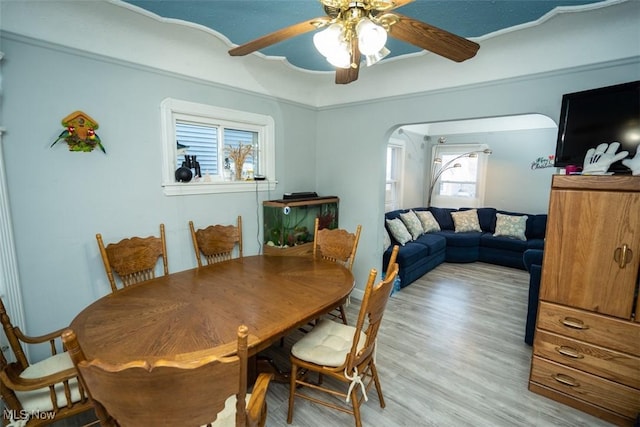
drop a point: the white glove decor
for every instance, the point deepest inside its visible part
(598, 160)
(634, 163)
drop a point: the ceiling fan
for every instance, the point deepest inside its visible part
(357, 29)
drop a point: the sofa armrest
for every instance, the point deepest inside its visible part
(532, 257)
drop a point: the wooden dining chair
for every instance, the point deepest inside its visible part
(343, 352)
(43, 392)
(133, 259)
(337, 245)
(197, 389)
(216, 242)
(392, 259)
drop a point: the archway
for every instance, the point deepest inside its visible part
(523, 148)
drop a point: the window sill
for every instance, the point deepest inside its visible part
(190, 188)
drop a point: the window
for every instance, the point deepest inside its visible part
(393, 186)
(208, 133)
(458, 175)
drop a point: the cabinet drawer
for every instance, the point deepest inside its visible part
(615, 366)
(598, 391)
(605, 331)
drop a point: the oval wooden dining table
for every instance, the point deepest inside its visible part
(201, 309)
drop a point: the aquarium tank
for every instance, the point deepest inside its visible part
(290, 223)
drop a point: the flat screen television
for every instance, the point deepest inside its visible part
(591, 117)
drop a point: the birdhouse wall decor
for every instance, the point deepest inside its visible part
(80, 133)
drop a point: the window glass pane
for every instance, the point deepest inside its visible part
(233, 138)
(202, 142)
(390, 159)
(393, 177)
(459, 181)
(458, 174)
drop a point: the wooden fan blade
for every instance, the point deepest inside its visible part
(433, 39)
(347, 75)
(278, 36)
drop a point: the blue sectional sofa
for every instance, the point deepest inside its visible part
(424, 252)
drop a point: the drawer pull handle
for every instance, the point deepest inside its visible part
(566, 380)
(622, 255)
(572, 322)
(569, 352)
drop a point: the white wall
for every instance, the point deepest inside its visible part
(511, 183)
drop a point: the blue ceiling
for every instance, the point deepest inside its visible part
(244, 20)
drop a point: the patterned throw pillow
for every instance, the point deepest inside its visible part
(413, 224)
(398, 230)
(511, 226)
(386, 240)
(428, 221)
(466, 220)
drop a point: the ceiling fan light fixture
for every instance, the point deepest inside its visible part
(354, 32)
(371, 37)
(328, 41)
(372, 59)
(340, 57)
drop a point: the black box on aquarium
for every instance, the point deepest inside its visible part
(289, 224)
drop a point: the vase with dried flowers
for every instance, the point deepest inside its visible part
(238, 154)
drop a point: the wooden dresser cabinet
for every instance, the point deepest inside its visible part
(586, 350)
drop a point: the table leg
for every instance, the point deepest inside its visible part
(264, 364)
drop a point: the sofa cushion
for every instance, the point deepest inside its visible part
(443, 216)
(412, 252)
(428, 221)
(536, 226)
(511, 226)
(433, 242)
(395, 214)
(386, 240)
(461, 247)
(487, 219)
(398, 230)
(466, 221)
(413, 224)
(488, 240)
(455, 239)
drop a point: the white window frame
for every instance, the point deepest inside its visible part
(175, 109)
(481, 173)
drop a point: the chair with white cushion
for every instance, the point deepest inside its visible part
(345, 353)
(42, 392)
(195, 389)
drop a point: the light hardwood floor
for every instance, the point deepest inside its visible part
(450, 353)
